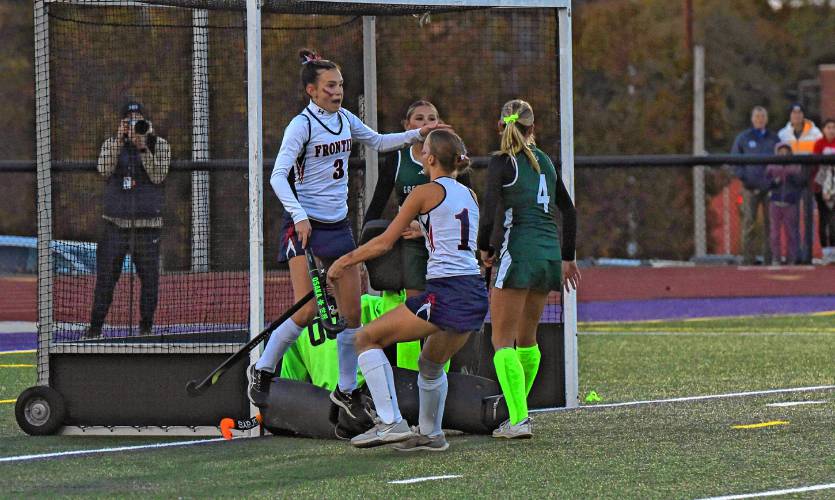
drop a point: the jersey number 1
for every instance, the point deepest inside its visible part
(464, 217)
(542, 194)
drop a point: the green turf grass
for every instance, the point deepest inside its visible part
(684, 450)
(681, 450)
(817, 323)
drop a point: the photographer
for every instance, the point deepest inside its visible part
(134, 163)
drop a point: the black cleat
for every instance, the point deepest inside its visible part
(344, 401)
(259, 386)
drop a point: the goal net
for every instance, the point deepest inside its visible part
(141, 260)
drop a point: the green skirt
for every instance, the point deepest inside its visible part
(544, 275)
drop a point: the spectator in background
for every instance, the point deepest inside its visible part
(801, 134)
(823, 179)
(757, 140)
(786, 186)
(134, 164)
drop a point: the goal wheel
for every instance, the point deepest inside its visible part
(40, 411)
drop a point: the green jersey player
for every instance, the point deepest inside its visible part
(530, 262)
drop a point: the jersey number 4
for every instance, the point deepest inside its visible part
(338, 170)
(542, 197)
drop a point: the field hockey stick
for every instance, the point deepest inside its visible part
(195, 389)
(327, 312)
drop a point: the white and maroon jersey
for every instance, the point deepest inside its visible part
(316, 147)
(451, 229)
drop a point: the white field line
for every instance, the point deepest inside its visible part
(796, 403)
(63, 454)
(775, 493)
(421, 479)
(691, 398)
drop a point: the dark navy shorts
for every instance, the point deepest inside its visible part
(328, 240)
(457, 303)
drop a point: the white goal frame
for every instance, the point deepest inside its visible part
(566, 93)
(255, 166)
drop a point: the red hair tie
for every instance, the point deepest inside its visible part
(314, 57)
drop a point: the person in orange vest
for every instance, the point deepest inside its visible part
(801, 134)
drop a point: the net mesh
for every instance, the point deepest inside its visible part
(187, 67)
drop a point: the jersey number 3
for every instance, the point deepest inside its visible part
(542, 197)
(338, 170)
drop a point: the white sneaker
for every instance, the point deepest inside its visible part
(522, 430)
(382, 434)
(420, 442)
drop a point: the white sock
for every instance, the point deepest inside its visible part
(281, 339)
(347, 359)
(380, 380)
(432, 400)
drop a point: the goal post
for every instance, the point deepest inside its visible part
(218, 80)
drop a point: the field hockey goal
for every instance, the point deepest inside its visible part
(218, 82)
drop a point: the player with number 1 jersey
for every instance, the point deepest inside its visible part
(452, 307)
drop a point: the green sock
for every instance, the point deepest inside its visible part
(529, 357)
(512, 381)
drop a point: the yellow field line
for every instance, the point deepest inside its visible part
(761, 425)
(7, 401)
(29, 351)
(17, 366)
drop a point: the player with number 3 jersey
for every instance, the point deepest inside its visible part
(314, 157)
(523, 183)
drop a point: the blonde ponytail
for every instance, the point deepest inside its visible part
(517, 116)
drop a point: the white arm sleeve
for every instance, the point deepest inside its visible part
(380, 142)
(295, 136)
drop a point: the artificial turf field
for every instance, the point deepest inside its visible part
(662, 450)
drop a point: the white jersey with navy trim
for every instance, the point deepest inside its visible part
(321, 170)
(451, 229)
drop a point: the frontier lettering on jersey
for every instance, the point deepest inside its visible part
(341, 146)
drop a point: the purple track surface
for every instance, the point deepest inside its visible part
(620, 310)
(673, 309)
(18, 341)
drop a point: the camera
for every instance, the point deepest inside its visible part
(140, 127)
(143, 127)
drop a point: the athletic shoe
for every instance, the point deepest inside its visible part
(344, 401)
(259, 386)
(522, 430)
(382, 434)
(420, 442)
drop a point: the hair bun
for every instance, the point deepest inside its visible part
(307, 55)
(462, 163)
